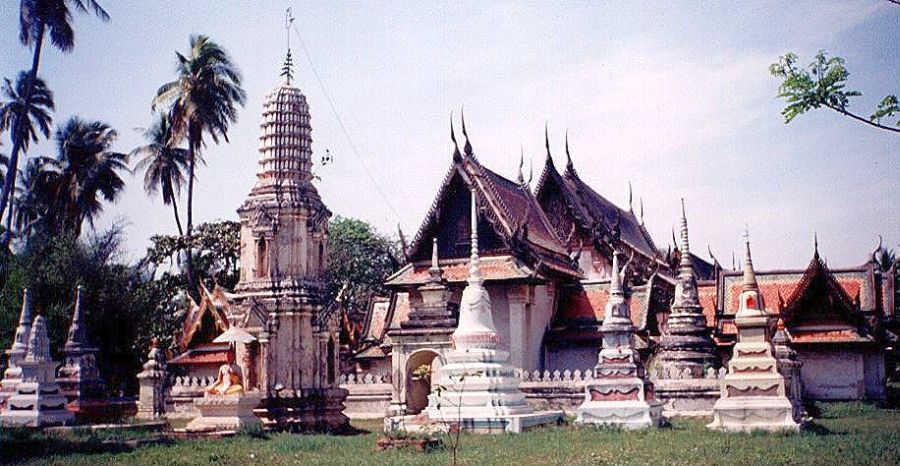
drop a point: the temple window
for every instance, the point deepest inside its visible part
(262, 258)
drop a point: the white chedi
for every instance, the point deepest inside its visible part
(754, 392)
(477, 389)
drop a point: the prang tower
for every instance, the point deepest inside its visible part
(281, 294)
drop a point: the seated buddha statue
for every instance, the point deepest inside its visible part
(228, 381)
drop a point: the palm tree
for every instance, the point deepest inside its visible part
(87, 171)
(36, 186)
(202, 99)
(36, 19)
(164, 164)
(36, 114)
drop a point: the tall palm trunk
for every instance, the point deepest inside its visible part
(177, 217)
(13, 169)
(193, 142)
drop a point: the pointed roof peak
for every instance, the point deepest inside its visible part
(468, 145)
(630, 198)
(816, 244)
(520, 178)
(457, 156)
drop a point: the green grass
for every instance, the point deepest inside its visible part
(843, 434)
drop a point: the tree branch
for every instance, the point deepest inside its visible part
(864, 120)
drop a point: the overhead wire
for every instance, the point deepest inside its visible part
(343, 129)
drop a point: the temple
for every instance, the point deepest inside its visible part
(546, 259)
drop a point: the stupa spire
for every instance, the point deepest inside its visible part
(474, 261)
(615, 279)
(684, 245)
(749, 281)
(77, 337)
(287, 69)
(435, 271)
(23, 330)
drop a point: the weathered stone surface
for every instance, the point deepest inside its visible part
(619, 393)
(37, 401)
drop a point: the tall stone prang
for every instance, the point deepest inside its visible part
(13, 373)
(79, 378)
(281, 295)
(477, 388)
(37, 401)
(687, 349)
(754, 392)
(619, 393)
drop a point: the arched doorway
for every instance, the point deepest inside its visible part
(421, 371)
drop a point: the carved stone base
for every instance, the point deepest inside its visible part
(317, 410)
(225, 413)
(745, 414)
(487, 424)
(36, 405)
(620, 402)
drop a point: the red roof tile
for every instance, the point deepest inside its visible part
(493, 268)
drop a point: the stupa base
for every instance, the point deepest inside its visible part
(631, 415)
(311, 410)
(479, 424)
(749, 414)
(225, 413)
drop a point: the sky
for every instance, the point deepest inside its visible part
(673, 97)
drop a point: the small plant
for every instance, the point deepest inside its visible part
(453, 430)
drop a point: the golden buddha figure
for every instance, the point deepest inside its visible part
(228, 381)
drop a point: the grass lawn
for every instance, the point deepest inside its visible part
(843, 434)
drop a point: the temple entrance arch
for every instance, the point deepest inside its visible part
(421, 371)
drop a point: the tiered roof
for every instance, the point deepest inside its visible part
(593, 213)
(519, 240)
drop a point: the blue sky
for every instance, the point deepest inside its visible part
(674, 97)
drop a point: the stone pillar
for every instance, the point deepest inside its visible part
(519, 307)
(152, 381)
(789, 367)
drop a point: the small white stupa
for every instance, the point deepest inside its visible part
(754, 392)
(477, 389)
(37, 401)
(13, 373)
(619, 394)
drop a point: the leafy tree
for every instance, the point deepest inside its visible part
(359, 260)
(164, 164)
(218, 247)
(824, 85)
(202, 102)
(36, 19)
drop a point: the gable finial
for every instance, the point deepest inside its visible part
(641, 203)
(468, 146)
(569, 165)
(521, 178)
(456, 155)
(630, 198)
(816, 243)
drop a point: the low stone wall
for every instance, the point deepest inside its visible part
(562, 390)
(369, 396)
(183, 390)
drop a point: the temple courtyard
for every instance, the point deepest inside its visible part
(843, 433)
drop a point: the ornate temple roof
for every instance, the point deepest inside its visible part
(592, 210)
(519, 240)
